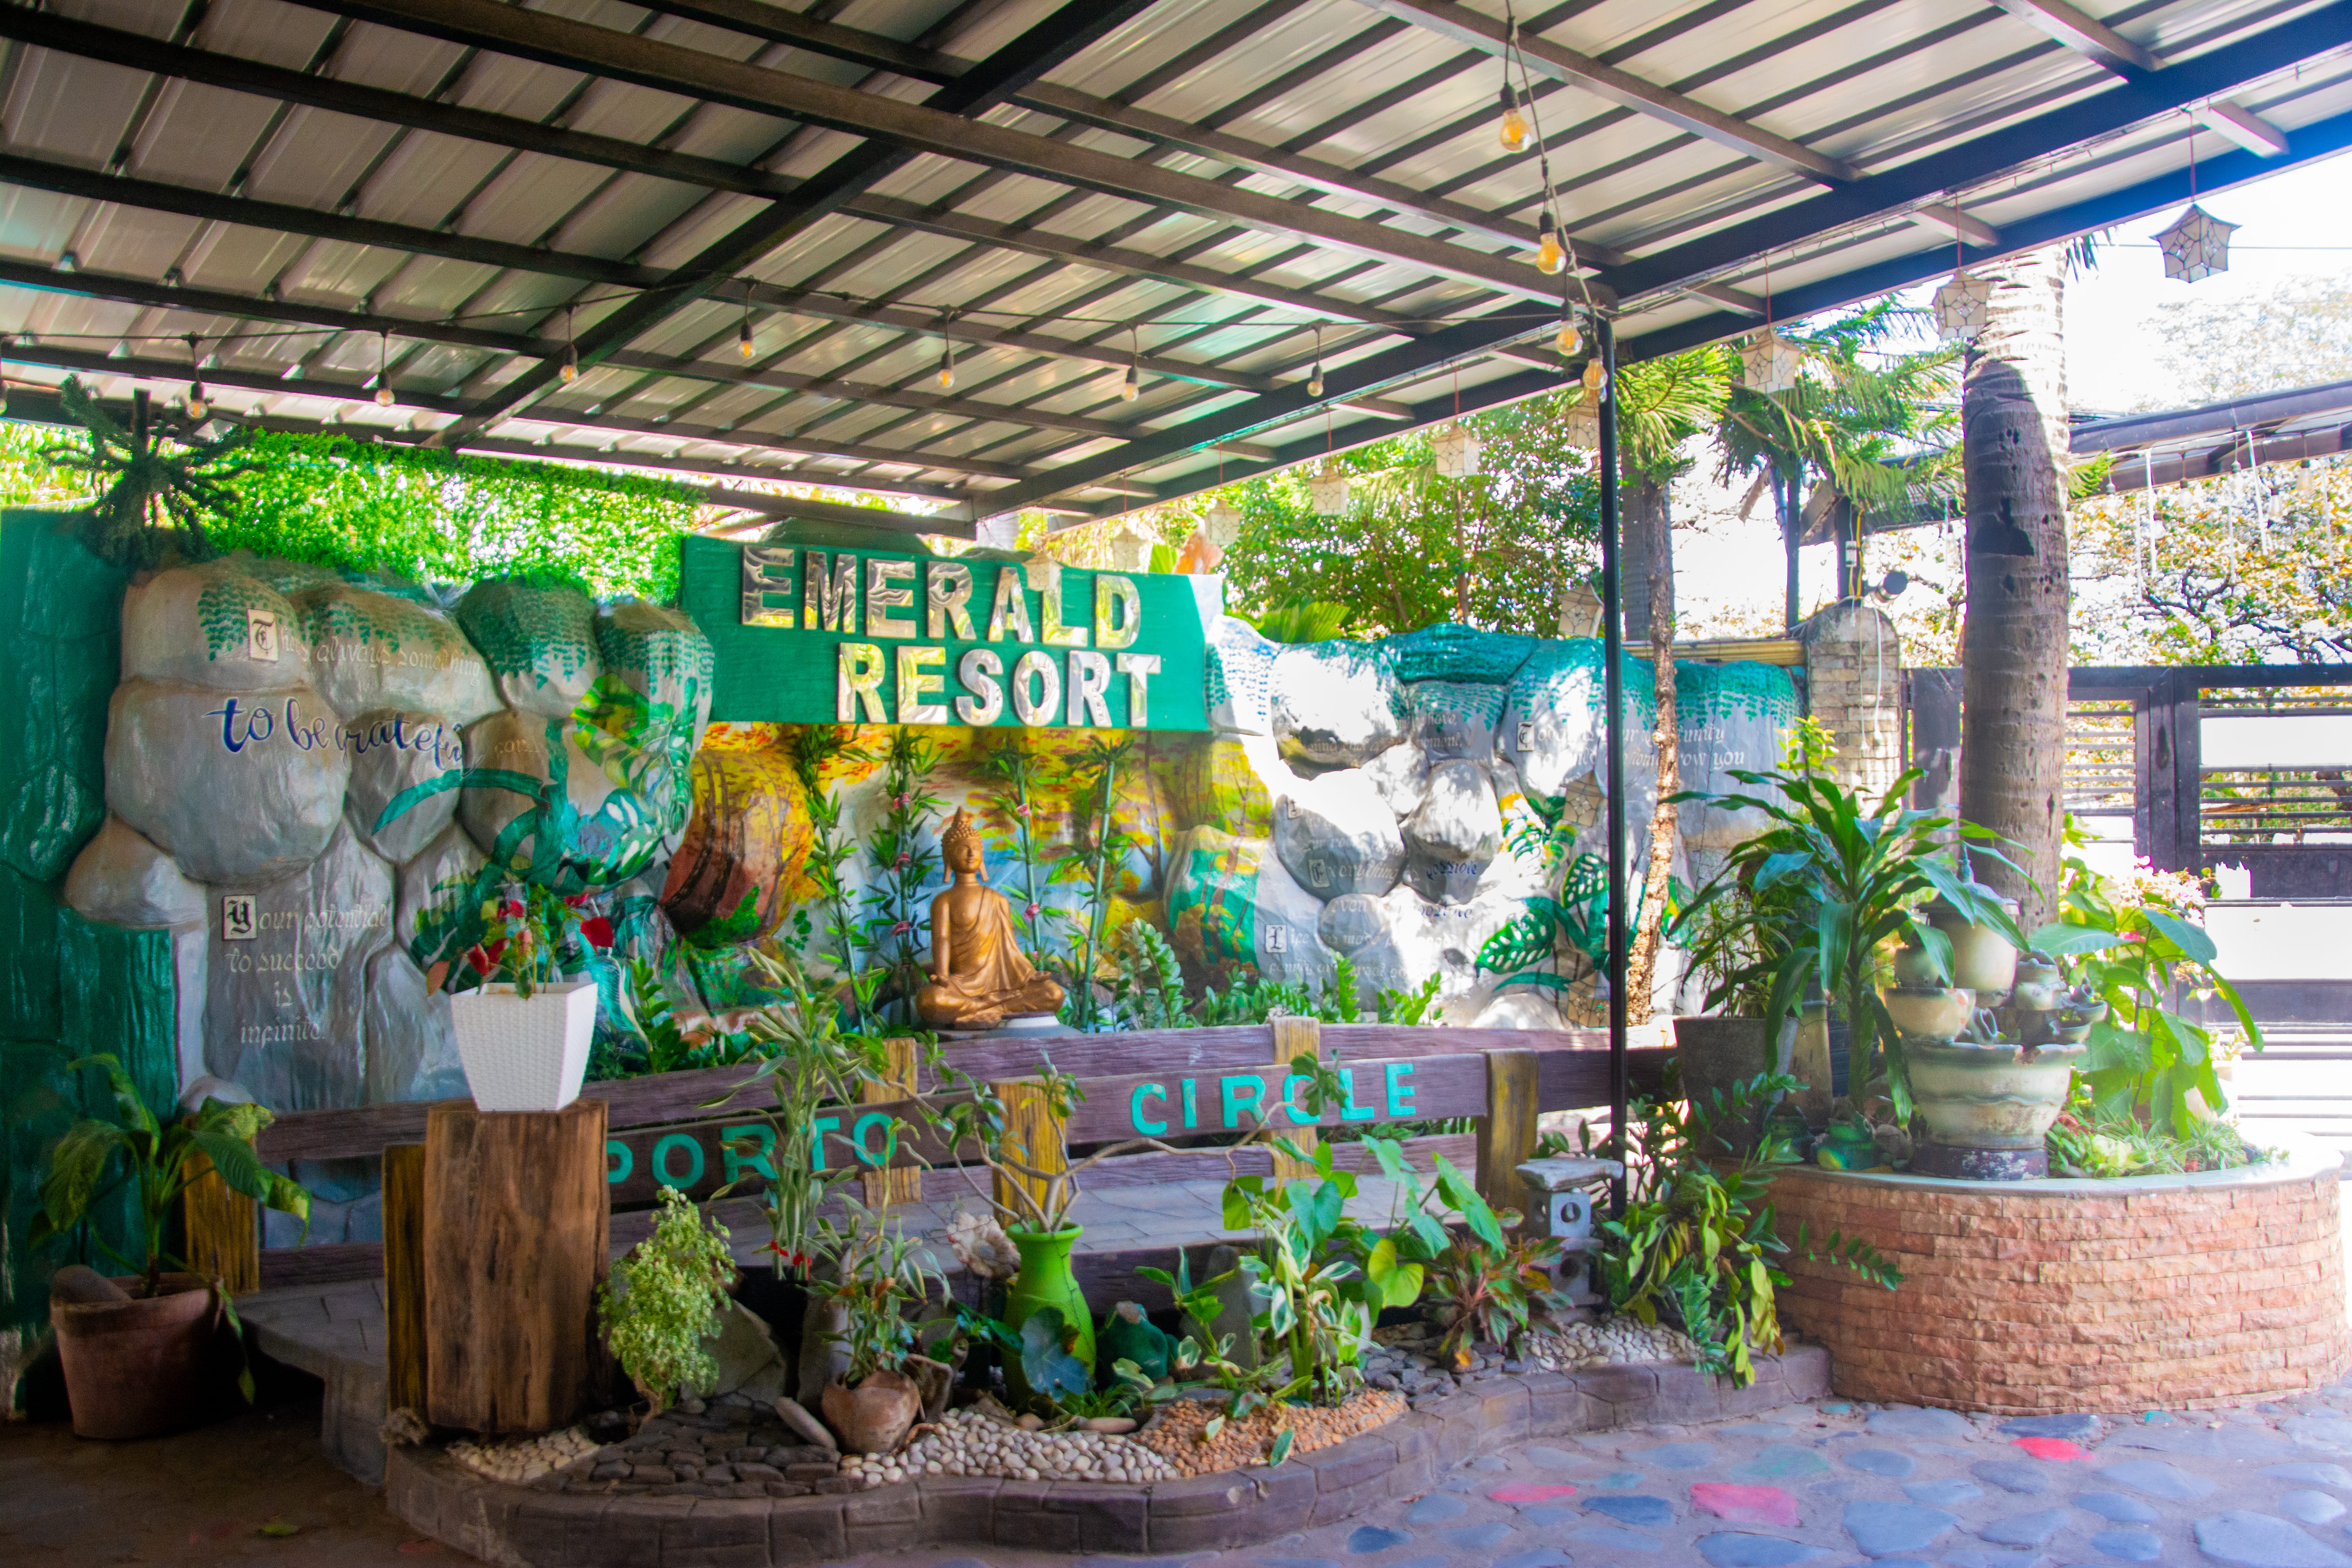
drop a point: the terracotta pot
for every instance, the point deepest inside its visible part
(874, 1417)
(134, 1369)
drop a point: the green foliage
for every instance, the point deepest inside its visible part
(2133, 944)
(810, 1062)
(1320, 1302)
(1314, 620)
(1047, 1364)
(2085, 1142)
(431, 516)
(1696, 1237)
(1487, 1283)
(660, 1302)
(1415, 549)
(654, 1043)
(896, 913)
(154, 496)
(94, 1159)
(1147, 986)
(1860, 880)
(879, 1272)
(526, 937)
(1013, 768)
(815, 747)
(1100, 848)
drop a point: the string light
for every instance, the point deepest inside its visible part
(1570, 339)
(1132, 388)
(571, 371)
(1315, 377)
(744, 332)
(196, 383)
(1513, 133)
(384, 369)
(1550, 256)
(947, 355)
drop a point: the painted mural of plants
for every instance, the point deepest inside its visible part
(814, 747)
(1013, 769)
(898, 914)
(1101, 847)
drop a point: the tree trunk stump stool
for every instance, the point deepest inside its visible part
(515, 1241)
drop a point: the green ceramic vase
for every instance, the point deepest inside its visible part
(1046, 1280)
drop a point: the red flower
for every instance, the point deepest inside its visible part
(598, 932)
(902, 927)
(486, 958)
(1030, 911)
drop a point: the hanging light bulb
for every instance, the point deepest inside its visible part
(1132, 388)
(1570, 339)
(383, 364)
(1513, 132)
(1594, 375)
(743, 330)
(1329, 489)
(196, 382)
(197, 406)
(947, 364)
(1314, 376)
(1550, 255)
(571, 371)
(1457, 450)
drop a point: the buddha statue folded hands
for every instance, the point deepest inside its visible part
(979, 977)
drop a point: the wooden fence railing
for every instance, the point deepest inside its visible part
(1174, 1084)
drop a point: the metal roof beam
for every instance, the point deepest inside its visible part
(2212, 419)
(2085, 34)
(2244, 127)
(1939, 174)
(921, 128)
(1480, 31)
(1959, 225)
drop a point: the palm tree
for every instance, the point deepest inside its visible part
(2013, 640)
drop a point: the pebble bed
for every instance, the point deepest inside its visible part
(731, 1448)
(972, 1442)
(1405, 1357)
(527, 1459)
(1176, 1431)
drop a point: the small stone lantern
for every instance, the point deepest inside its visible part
(1558, 1205)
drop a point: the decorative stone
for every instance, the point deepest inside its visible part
(1335, 835)
(2011, 1476)
(287, 978)
(1240, 678)
(1229, 783)
(1677, 1456)
(121, 879)
(371, 651)
(1745, 1505)
(1402, 776)
(1885, 1528)
(1637, 1509)
(2078, 1428)
(2025, 1529)
(2314, 1475)
(539, 642)
(2260, 1540)
(1478, 1537)
(1546, 1457)
(2116, 1507)
(393, 751)
(1552, 730)
(661, 656)
(1728, 716)
(1456, 718)
(2131, 1545)
(437, 888)
(1886, 1462)
(1370, 1538)
(1436, 1509)
(2057, 1450)
(217, 626)
(1351, 921)
(411, 1049)
(1980, 1557)
(234, 787)
(1335, 703)
(1542, 1557)
(2157, 1478)
(745, 849)
(2311, 1508)
(2319, 1431)
(1781, 1461)
(1455, 834)
(1732, 1549)
(1930, 1423)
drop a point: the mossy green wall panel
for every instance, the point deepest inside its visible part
(29, 1007)
(60, 653)
(117, 994)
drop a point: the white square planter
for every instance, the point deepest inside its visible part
(525, 1053)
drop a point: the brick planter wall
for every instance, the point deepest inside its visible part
(2077, 1295)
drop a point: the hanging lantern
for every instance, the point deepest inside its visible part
(1223, 524)
(1580, 427)
(2196, 246)
(1329, 490)
(1130, 545)
(1770, 362)
(1457, 451)
(1962, 306)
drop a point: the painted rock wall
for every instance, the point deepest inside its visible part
(307, 776)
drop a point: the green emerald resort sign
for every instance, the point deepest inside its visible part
(828, 628)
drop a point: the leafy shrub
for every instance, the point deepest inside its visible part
(660, 1302)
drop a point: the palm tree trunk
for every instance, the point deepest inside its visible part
(1649, 534)
(2013, 656)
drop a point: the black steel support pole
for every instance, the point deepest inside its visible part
(1785, 501)
(1613, 685)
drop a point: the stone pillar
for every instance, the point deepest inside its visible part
(1854, 668)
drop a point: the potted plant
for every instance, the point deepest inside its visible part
(878, 1271)
(522, 1010)
(660, 1303)
(136, 1360)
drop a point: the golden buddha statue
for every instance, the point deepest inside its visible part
(978, 975)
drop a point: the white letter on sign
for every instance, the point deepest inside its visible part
(1038, 710)
(979, 670)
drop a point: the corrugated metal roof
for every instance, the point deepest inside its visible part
(462, 190)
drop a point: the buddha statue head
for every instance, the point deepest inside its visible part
(960, 847)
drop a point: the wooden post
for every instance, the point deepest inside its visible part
(224, 1230)
(904, 1184)
(1506, 1133)
(403, 1277)
(1033, 1135)
(516, 1239)
(1292, 1038)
